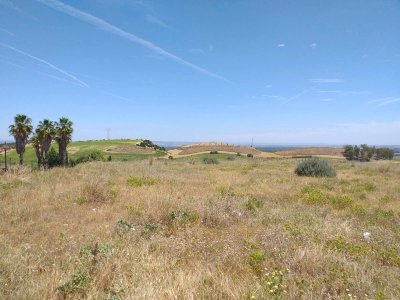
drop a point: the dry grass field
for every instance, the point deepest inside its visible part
(320, 151)
(180, 229)
(207, 147)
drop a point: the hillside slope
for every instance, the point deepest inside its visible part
(117, 149)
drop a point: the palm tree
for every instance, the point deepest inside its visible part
(21, 129)
(35, 141)
(64, 132)
(45, 132)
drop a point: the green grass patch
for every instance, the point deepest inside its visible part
(341, 245)
(141, 181)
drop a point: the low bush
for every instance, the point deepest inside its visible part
(93, 156)
(53, 159)
(315, 168)
(249, 155)
(253, 204)
(210, 161)
(213, 152)
(78, 283)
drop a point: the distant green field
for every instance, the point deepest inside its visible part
(78, 149)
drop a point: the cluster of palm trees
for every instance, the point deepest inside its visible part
(44, 134)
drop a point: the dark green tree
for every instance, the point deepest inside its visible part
(20, 130)
(45, 132)
(64, 132)
(348, 152)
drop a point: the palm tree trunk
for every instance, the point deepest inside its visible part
(46, 159)
(62, 151)
(39, 158)
(21, 159)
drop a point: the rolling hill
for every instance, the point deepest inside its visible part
(118, 149)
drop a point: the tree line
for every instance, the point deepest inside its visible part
(366, 153)
(45, 133)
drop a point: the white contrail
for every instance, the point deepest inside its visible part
(389, 101)
(46, 63)
(295, 96)
(6, 31)
(103, 25)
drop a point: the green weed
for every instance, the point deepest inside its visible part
(256, 260)
(123, 227)
(253, 204)
(341, 245)
(183, 217)
(141, 181)
(78, 283)
(148, 228)
(390, 257)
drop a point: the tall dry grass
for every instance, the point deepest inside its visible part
(179, 229)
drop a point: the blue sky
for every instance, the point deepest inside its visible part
(283, 71)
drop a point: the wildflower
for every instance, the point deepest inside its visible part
(367, 236)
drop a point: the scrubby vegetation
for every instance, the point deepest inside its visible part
(93, 156)
(150, 144)
(210, 161)
(242, 229)
(315, 168)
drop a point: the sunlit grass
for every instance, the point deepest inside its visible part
(241, 229)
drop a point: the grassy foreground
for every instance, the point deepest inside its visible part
(180, 229)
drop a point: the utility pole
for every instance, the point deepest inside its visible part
(108, 133)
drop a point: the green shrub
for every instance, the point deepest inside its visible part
(253, 204)
(183, 217)
(93, 156)
(54, 159)
(123, 227)
(315, 168)
(148, 228)
(210, 161)
(230, 158)
(213, 152)
(249, 155)
(256, 261)
(72, 162)
(78, 283)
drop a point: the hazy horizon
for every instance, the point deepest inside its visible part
(278, 72)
